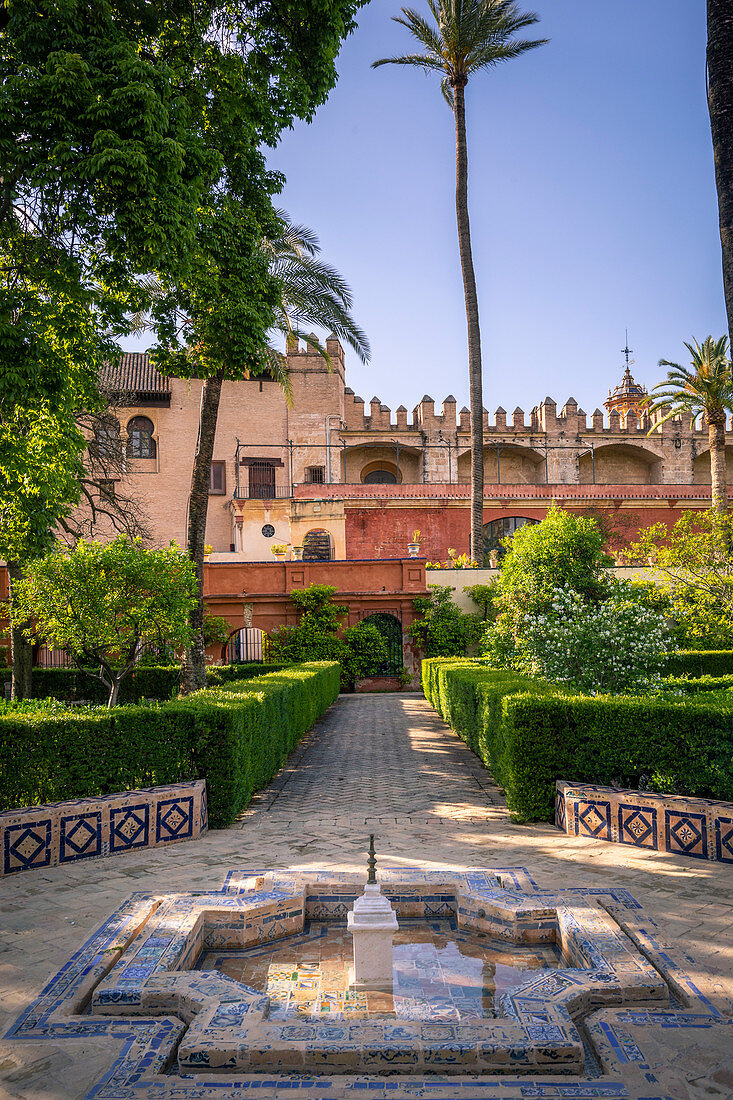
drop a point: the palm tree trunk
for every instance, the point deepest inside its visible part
(718, 473)
(21, 648)
(720, 107)
(474, 332)
(193, 674)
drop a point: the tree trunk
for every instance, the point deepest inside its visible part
(193, 675)
(718, 475)
(21, 648)
(720, 106)
(474, 332)
(114, 691)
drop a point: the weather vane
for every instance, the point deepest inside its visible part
(627, 351)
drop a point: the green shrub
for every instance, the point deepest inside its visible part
(67, 684)
(700, 662)
(225, 674)
(235, 736)
(530, 734)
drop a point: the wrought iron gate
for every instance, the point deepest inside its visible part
(389, 625)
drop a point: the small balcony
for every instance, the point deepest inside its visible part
(263, 490)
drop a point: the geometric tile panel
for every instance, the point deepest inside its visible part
(86, 828)
(637, 825)
(593, 818)
(27, 844)
(724, 839)
(80, 836)
(686, 832)
(701, 828)
(129, 827)
(174, 819)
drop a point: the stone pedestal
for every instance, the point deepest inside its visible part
(372, 923)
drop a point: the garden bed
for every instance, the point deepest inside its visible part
(529, 734)
(234, 736)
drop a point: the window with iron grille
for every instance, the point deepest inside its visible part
(218, 478)
(315, 475)
(140, 442)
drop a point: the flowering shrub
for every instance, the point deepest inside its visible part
(611, 646)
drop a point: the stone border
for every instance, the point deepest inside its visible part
(64, 832)
(134, 972)
(698, 827)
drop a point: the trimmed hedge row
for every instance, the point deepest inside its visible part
(236, 737)
(700, 662)
(144, 682)
(530, 734)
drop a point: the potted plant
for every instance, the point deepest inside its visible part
(298, 553)
(279, 550)
(414, 546)
(493, 559)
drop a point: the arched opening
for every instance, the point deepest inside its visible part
(380, 473)
(250, 644)
(140, 441)
(317, 546)
(619, 464)
(506, 464)
(390, 627)
(701, 467)
(499, 529)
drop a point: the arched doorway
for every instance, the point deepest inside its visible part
(390, 627)
(317, 546)
(500, 529)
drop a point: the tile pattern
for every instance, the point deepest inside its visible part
(697, 827)
(63, 832)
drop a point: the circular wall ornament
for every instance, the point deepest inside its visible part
(268, 530)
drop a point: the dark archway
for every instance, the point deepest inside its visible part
(317, 546)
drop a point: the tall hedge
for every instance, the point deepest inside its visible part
(236, 737)
(529, 735)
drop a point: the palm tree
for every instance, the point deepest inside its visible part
(703, 388)
(311, 292)
(469, 35)
(720, 108)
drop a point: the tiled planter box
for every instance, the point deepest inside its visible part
(63, 832)
(698, 827)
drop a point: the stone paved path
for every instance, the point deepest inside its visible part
(385, 764)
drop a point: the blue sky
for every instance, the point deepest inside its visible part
(592, 201)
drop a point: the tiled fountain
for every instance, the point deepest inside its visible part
(498, 989)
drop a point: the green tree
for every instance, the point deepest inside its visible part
(468, 36)
(704, 388)
(102, 603)
(442, 630)
(692, 575)
(563, 551)
(720, 107)
(301, 285)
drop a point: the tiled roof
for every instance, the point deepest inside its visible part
(133, 374)
(507, 492)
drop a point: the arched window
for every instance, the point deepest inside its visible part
(380, 473)
(500, 529)
(317, 546)
(140, 442)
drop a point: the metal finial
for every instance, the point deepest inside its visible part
(627, 351)
(372, 863)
